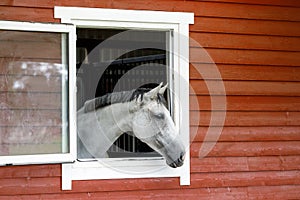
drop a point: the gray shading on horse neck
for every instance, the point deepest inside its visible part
(102, 120)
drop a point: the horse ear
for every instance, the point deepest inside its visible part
(153, 93)
(163, 89)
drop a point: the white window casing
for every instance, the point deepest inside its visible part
(68, 152)
(116, 168)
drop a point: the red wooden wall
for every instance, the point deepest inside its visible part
(256, 46)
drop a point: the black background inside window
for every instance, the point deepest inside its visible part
(107, 70)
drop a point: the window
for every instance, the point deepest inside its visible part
(143, 66)
(93, 25)
(34, 93)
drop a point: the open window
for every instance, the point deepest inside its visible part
(143, 62)
(145, 47)
(34, 93)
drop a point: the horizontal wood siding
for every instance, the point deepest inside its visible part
(255, 45)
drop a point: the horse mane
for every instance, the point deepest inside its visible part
(118, 97)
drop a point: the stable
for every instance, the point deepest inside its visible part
(202, 99)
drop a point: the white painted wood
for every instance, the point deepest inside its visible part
(36, 159)
(34, 26)
(184, 93)
(72, 93)
(66, 181)
(103, 14)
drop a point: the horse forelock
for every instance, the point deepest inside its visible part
(118, 97)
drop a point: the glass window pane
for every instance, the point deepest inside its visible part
(33, 80)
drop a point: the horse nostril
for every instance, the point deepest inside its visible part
(182, 157)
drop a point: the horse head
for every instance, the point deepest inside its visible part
(153, 124)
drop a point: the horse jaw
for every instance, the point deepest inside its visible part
(159, 133)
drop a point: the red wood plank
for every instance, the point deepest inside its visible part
(93, 4)
(233, 118)
(246, 88)
(240, 149)
(274, 192)
(27, 14)
(293, 3)
(244, 26)
(252, 192)
(247, 103)
(244, 164)
(243, 134)
(236, 41)
(244, 57)
(6, 2)
(30, 171)
(219, 164)
(29, 3)
(28, 185)
(236, 179)
(274, 163)
(246, 11)
(245, 72)
(199, 193)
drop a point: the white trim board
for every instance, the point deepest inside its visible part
(103, 14)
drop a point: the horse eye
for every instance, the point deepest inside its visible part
(160, 116)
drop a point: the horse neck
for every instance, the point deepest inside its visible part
(117, 119)
(98, 130)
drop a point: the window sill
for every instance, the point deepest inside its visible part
(121, 168)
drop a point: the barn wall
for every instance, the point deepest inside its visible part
(256, 46)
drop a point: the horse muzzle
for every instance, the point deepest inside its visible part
(179, 162)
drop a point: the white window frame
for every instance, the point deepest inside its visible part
(178, 23)
(70, 156)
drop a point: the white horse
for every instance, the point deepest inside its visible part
(101, 121)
